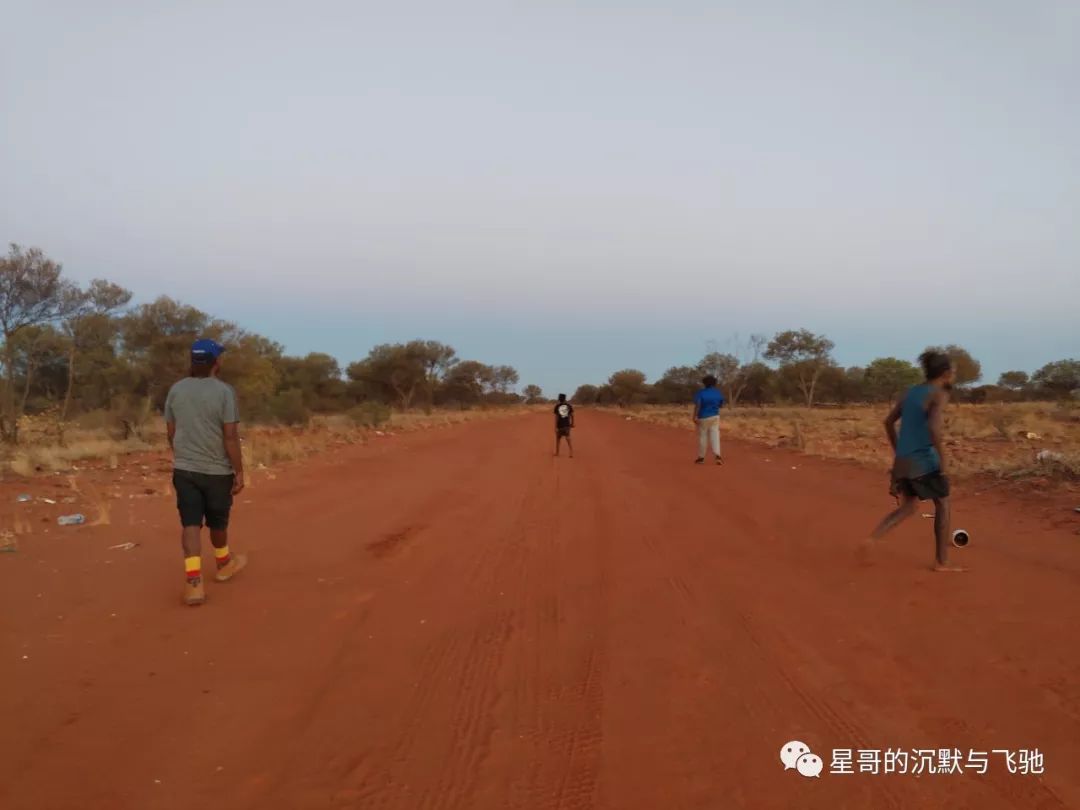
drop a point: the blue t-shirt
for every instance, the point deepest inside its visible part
(709, 401)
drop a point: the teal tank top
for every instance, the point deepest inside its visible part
(914, 446)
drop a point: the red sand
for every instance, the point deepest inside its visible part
(454, 619)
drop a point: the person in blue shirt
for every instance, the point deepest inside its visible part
(706, 414)
(918, 472)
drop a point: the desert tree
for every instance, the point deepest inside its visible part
(758, 383)
(723, 366)
(504, 378)
(885, 377)
(88, 310)
(156, 339)
(677, 384)
(436, 359)
(39, 356)
(252, 366)
(319, 379)
(804, 355)
(628, 387)
(748, 353)
(33, 292)
(466, 383)
(854, 385)
(968, 370)
(586, 395)
(1014, 380)
(392, 371)
(1058, 379)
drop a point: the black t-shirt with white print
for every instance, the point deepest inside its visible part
(564, 411)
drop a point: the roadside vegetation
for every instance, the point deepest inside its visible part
(84, 374)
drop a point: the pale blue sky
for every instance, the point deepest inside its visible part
(571, 188)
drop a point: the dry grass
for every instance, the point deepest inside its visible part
(40, 453)
(41, 450)
(1003, 440)
(269, 446)
(31, 459)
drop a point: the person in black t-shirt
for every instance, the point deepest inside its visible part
(564, 421)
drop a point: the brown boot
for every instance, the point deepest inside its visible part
(193, 592)
(236, 564)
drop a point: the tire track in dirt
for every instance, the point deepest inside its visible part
(445, 657)
(763, 682)
(467, 687)
(854, 726)
(552, 698)
(460, 622)
(744, 597)
(578, 736)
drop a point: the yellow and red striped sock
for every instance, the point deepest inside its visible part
(222, 556)
(193, 567)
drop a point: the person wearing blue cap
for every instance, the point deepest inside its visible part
(202, 421)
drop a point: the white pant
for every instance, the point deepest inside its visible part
(708, 432)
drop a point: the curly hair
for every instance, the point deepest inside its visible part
(935, 364)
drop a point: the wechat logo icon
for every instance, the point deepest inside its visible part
(797, 756)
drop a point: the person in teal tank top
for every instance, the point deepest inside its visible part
(918, 472)
(916, 455)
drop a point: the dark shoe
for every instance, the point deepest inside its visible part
(699, 461)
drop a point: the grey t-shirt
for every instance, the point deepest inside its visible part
(200, 407)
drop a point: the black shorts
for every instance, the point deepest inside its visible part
(925, 488)
(563, 431)
(201, 497)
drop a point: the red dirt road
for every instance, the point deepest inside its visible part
(453, 619)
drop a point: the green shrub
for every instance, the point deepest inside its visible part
(370, 414)
(288, 408)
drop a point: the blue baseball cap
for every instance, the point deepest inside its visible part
(204, 352)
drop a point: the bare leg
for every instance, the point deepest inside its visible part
(888, 523)
(570, 444)
(942, 524)
(895, 517)
(219, 537)
(558, 443)
(190, 540)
